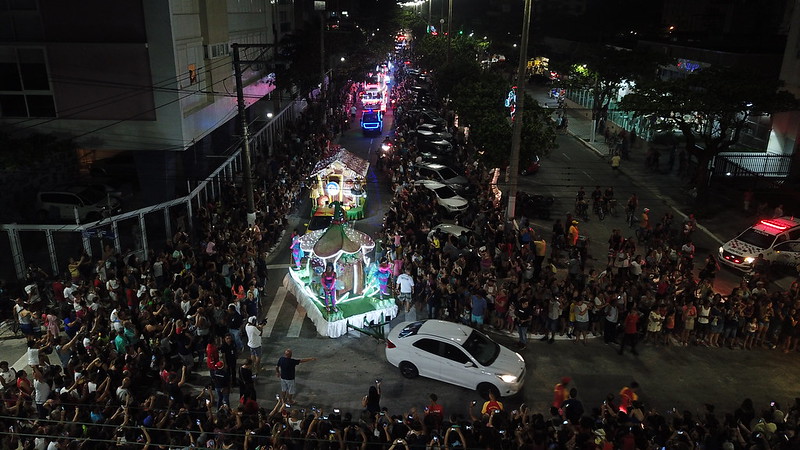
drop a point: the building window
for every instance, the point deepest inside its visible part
(217, 50)
(192, 74)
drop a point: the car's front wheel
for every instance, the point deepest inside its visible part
(408, 370)
(485, 388)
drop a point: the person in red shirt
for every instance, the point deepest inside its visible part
(631, 330)
(561, 392)
(212, 353)
(434, 413)
(627, 395)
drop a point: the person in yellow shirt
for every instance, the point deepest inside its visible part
(540, 251)
(573, 234)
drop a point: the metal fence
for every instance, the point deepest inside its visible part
(51, 246)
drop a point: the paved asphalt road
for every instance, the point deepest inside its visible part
(347, 366)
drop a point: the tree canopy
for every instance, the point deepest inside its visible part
(710, 107)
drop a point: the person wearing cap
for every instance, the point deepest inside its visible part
(254, 332)
(561, 392)
(221, 378)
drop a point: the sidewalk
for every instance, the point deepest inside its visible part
(722, 212)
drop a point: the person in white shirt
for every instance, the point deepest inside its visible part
(41, 391)
(254, 331)
(405, 288)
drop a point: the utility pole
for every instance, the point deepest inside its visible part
(449, 22)
(516, 135)
(246, 166)
(320, 6)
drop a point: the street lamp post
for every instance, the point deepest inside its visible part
(516, 136)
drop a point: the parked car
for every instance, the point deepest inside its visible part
(456, 354)
(777, 239)
(440, 147)
(448, 228)
(91, 201)
(534, 206)
(442, 174)
(532, 166)
(433, 132)
(449, 201)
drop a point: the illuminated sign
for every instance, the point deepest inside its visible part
(332, 189)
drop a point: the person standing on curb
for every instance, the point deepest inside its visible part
(285, 370)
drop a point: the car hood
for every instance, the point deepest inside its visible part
(508, 362)
(455, 202)
(742, 248)
(458, 180)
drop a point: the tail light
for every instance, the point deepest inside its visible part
(390, 344)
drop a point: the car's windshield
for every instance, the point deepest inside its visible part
(92, 195)
(757, 238)
(483, 349)
(370, 117)
(410, 329)
(447, 173)
(445, 192)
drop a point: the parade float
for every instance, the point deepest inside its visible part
(360, 295)
(339, 177)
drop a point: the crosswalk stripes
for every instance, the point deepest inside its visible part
(274, 310)
(297, 322)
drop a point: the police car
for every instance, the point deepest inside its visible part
(777, 239)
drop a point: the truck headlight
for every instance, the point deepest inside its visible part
(749, 260)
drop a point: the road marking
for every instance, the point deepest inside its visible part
(565, 156)
(590, 177)
(274, 310)
(278, 266)
(297, 322)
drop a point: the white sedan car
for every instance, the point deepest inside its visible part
(446, 197)
(455, 354)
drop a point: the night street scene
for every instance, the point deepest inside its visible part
(400, 225)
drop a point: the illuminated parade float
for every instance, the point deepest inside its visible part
(339, 178)
(335, 280)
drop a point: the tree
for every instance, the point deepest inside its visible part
(602, 70)
(710, 107)
(480, 105)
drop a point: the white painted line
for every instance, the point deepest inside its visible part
(590, 177)
(21, 363)
(278, 266)
(297, 322)
(274, 310)
(565, 156)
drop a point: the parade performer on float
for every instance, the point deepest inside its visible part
(384, 273)
(297, 252)
(328, 281)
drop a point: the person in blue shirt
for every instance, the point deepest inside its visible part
(285, 370)
(479, 304)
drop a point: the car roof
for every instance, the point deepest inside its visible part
(450, 228)
(451, 331)
(430, 184)
(777, 225)
(431, 165)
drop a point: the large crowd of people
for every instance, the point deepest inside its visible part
(140, 352)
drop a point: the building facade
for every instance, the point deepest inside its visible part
(151, 77)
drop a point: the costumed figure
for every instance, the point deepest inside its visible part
(384, 273)
(328, 280)
(297, 252)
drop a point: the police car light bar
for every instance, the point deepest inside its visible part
(774, 224)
